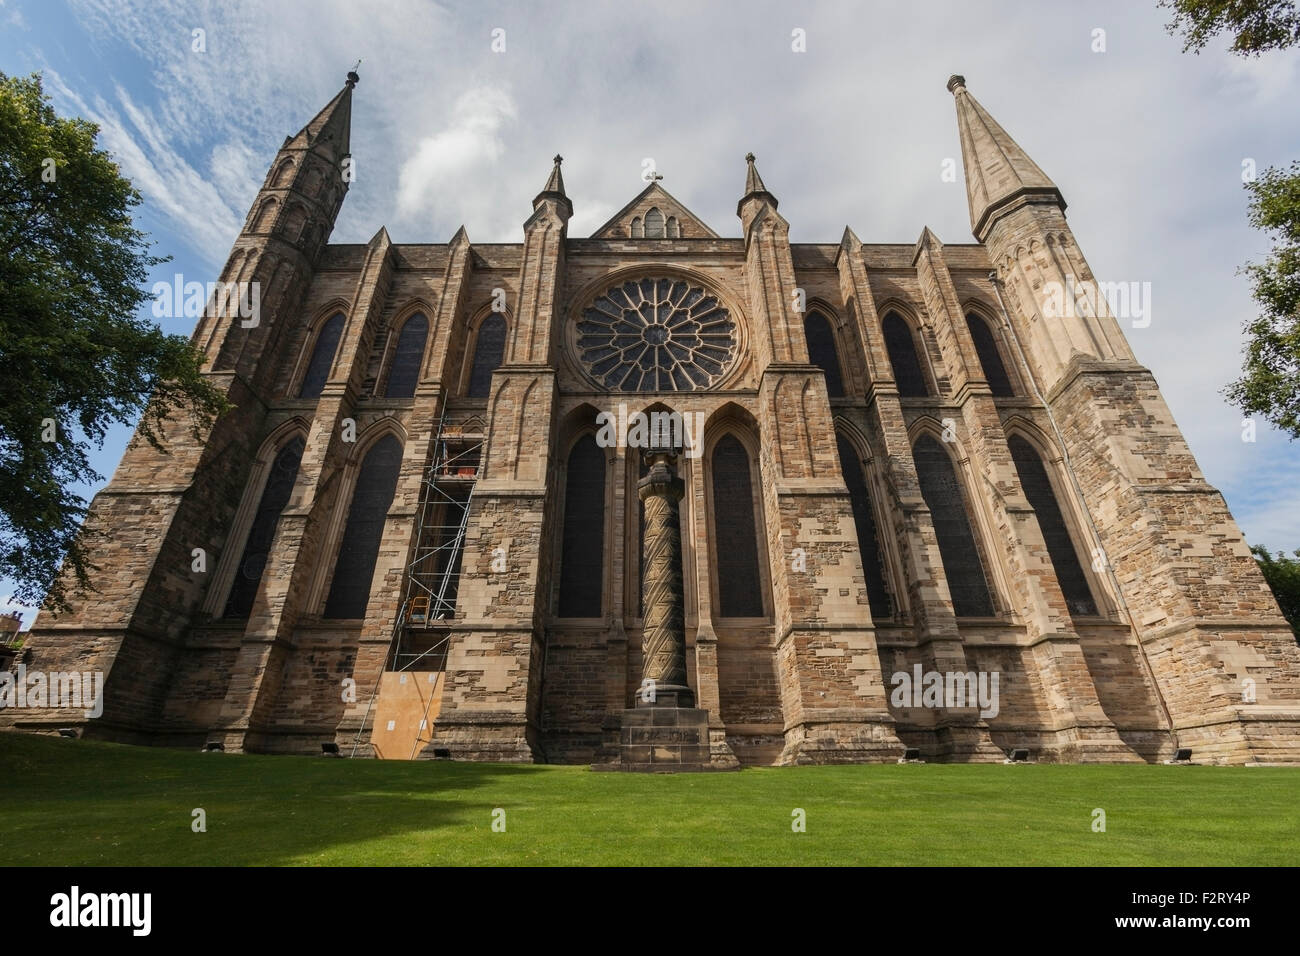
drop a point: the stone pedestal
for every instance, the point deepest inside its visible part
(660, 739)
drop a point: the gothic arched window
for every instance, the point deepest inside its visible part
(404, 372)
(735, 537)
(865, 521)
(654, 224)
(821, 351)
(489, 351)
(901, 345)
(961, 560)
(1060, 547)
(582, 555)
(986, 347)
(376, 482)
(322, 357)
(638, 232)
(671, 228)
(275, 495)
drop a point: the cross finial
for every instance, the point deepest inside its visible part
(558, 159)
(749, 157)
(353, 76)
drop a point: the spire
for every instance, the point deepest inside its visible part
(999, 174)
(554, 188)
(333, 124)
(754, 188)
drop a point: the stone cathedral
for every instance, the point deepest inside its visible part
(434, 526)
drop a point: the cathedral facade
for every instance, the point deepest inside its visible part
(926, 501)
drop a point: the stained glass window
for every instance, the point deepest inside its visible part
(489, 350)
(656, 335)
(986, 347)
(404, 373)
(865, 520)
(821, 351)
(275, 495)
(322, 357)
(735, 538)
(901, 345)
(376, 482)
(582, 556)
(1065, 559)
(961, 560)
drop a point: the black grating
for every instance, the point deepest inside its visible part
(821, 351)
(986, 347)
(404, 373)
(868, 542)
(1042, 497)
(582, 557)
(734, 534)
(275, 495)
(489, 351)
(961, 560)
(901, 345)
(322, 357)
(350, 589)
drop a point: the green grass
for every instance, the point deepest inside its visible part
(86, 803)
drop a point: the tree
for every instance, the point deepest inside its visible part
(1256, 25)
(1270, 381)
(74, 356)
(1283, 577)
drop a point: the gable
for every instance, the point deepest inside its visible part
(657, 207)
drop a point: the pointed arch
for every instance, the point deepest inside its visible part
(283, 174)
(1061, 548)
(372, 496)
(293, 222)
(672, 229)
(488, 354)
(654, 223)
(822, 352)
(265, 217)
(408, 357)
(990, 355)
(904, 356)
(257, 546)
(946, 499)
(864, 520)
(582, 553)
(637, 230)
(324, 346)
(734, 510)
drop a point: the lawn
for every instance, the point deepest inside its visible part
(87, 803)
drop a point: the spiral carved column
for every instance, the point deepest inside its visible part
(663, 638)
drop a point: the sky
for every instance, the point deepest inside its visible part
(462, 105)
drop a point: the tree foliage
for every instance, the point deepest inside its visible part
(1255, 25)
(74, 355)
(1283, 577)
(1270, 380)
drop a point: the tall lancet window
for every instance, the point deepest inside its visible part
(735, 536)
(821, 351)
(322, 357)
(901, 345)
(1056, 534)
(654, 224)
(489, 350)
(404, 372)
(986, 347)
(865, 521)
(376, 482)
(582, 555)
(275, 495)
(947, 502)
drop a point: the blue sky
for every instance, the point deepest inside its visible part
(1146, 142)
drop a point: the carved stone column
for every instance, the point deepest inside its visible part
(663, 640)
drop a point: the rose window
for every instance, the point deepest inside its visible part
(656, 335)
